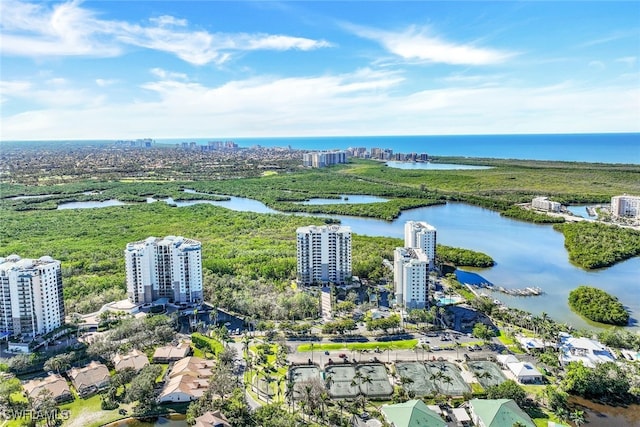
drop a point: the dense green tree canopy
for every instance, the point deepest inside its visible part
(597, 305)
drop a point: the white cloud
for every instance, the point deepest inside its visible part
(105, 82)
(279, 42)
(365, 102)
(167, 20)
(166, 75)
(67, 29)
(51, 93)
(416, 44)
(64, 30)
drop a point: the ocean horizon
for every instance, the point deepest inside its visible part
(617, 148)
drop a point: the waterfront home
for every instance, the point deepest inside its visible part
(589, 352)
(212, 419)
(530, 344)
(54, 383)
(498, 413)
(414, 413)
(172, 353)
(183, 388)
(135, 359)
(90, 379)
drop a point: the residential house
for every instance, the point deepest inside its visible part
(172, 353)
(212, 419)
(188, 380)
(498, 413)
(90, 379)
(54, 383)
(192, 366)
(524, 372)
(135, 359)
(183, 388)
(589, 352)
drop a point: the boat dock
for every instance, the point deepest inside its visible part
(529, 291)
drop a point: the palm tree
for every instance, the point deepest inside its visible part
(484, 374)
(362, 401)
(447, 380)
(324, 399)
(289, 393)
(268, 379)
(577, 417)
(405, 382)
(366, 379)
(328, 381)
(457, 346)
(562, 414)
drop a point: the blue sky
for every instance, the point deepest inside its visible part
(172, 69)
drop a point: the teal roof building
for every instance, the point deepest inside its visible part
(413, 413)
(498, 413)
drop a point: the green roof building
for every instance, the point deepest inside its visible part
(498, 413)
(413, 413)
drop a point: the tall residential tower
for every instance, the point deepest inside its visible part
(419, 234)
(31, 301)
(164, 268)
(411, 277)
(324, 254)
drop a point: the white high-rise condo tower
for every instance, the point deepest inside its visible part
(31, 300)
(419, 234)
(411, 277)
(324, 254)
(164, 268)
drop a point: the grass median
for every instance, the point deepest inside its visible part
(381, 345)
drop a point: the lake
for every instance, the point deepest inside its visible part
(90, 205)
(344, 200)
(433, 166)
(526, 255)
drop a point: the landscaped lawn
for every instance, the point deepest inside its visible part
(393, 345)
(87, 413)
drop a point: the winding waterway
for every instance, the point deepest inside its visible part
(526, 254)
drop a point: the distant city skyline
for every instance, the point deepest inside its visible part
(124, 70)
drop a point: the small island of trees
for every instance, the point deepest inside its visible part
(597, 305)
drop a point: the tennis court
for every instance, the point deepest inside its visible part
(339, 380)
(487, 373)
(447, 378)
(374, 381)
(417, 378)
(299, 374)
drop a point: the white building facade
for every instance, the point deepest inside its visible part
(323, 254)
(411, 277)
(31, 301)
(544, 204)
(170, 268)
(419, 234)
(625, 206)
(323, 159)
